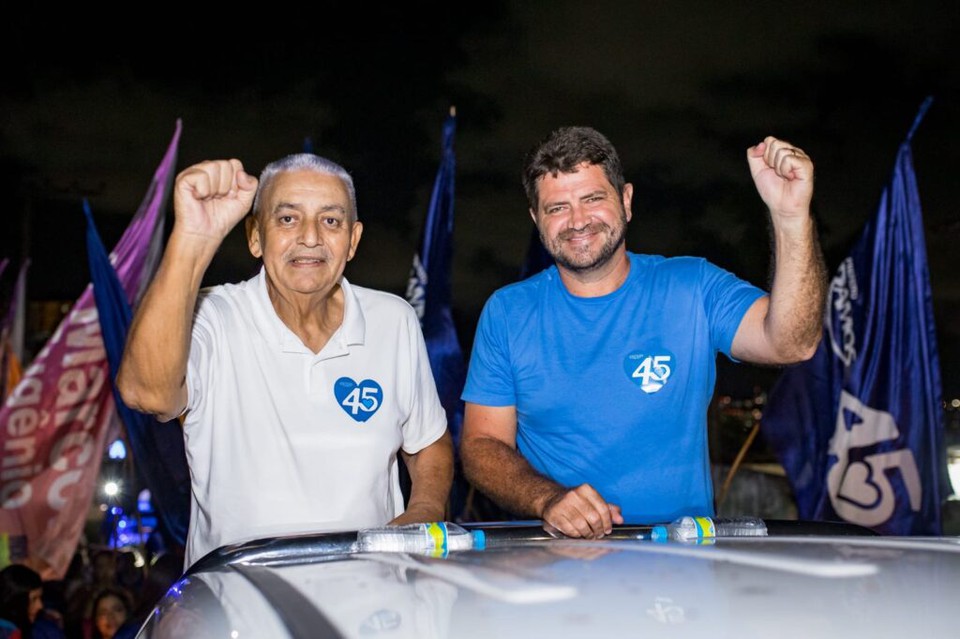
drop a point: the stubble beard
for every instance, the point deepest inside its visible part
(582, 261)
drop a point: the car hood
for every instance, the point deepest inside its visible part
(795, 586)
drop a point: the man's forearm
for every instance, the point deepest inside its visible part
(501, 473)
(794, 319)
(153, 369)
(431, 475)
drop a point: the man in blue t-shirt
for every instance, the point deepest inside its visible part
(588, 386)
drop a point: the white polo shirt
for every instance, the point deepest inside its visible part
(282, 440)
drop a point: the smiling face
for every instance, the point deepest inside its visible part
(581, 218)
(305, 232)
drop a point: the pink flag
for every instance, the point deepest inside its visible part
(54, 424)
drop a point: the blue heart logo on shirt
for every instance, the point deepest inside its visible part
(649, 371)
(359, 401)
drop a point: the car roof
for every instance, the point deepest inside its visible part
(527, 584)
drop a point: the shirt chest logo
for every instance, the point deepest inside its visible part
(649, 370)
(358, 400)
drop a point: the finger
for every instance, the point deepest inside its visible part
(210, 179)
(246, 182)
(587, 520)
(756, 158)
(616, 515)
(225, 177)
(785, 159)
(757, 150)
(566, 525)
(595, 510)
(567, 514)
(196, 180)
(240, 180)
(773, 146)
(792, 163)
(579, 521)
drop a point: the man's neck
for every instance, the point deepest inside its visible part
(603, 280)
(314, 319)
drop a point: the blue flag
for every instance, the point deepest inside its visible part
(858, 428)
(157, 447)
(428, 289)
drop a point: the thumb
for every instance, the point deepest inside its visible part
(246, 182)
(755, 158)
(246, 188)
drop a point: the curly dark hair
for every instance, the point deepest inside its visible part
(563, 150)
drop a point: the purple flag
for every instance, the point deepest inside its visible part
(53, 426)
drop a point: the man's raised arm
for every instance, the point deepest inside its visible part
(785, 327)
(208, 200)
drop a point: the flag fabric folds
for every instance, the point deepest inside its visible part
(428, 289)
(54, 424)
(11, 333)
(858, 428)
(158, 449)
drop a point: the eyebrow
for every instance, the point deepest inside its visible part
(594, 193)
(299, 207)
(602, 192)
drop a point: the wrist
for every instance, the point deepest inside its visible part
(546, 499)
(793, 224)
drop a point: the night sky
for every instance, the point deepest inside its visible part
(681, 88)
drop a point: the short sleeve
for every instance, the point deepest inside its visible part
(202, 345)
(726, 299)
(489, 377)
(428, 419)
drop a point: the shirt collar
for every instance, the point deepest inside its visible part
(351, 332)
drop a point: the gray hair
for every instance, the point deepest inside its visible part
(305, 162)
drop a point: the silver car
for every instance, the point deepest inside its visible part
(803, 580)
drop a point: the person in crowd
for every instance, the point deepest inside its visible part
(589, 383)
(298, 387)
(113, 615)
(21, 605)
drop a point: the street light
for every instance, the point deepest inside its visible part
(111, 488)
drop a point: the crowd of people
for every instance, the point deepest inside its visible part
(106, 594)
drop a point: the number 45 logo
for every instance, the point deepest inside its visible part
(358, 400)
(860, 490)
(649, 372)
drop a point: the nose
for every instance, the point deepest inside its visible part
(579, 217)
(311, 234)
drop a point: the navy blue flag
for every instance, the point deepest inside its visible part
(428, 289)
(157, 447)
(858, 428)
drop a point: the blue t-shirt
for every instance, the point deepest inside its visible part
(613, 391)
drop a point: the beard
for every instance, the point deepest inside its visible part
(586, 258)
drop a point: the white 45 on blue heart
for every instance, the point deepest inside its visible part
(358, 400)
